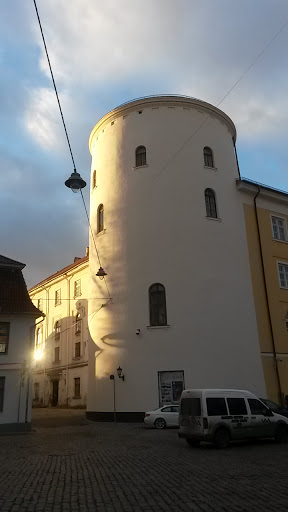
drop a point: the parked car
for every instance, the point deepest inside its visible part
(275, 407)
(224, 415)
(166, 416)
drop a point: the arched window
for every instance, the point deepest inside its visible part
(100, 218)
(140, 156)
(157, 304)
(94, 179)
(78, 324)
(208, 157)
(210, 202)
(57, 330)
(39, 335)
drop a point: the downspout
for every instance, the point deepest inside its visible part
(266, 297)
(236, 156)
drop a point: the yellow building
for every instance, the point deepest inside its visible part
(266, 217)
(61, 348)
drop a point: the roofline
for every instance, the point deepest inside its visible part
(59, 273)
(165, 99)
(247, 185)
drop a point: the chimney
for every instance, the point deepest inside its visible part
(76, 259)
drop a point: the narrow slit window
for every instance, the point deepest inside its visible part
(94, 180)
(100, 218)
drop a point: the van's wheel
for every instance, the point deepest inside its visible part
(193, 442)
(281, 434)
(160, 423)
(222, 438)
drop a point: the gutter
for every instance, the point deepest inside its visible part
(266, 297)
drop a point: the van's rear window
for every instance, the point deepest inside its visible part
(191, 406)
(216, 406)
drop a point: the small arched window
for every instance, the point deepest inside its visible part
(94, 179)
(57, 330)
(140, 156)
(208, 157)
(39, 335)
(100, 218)
(78, 324)
(157, 305)
(210, 202)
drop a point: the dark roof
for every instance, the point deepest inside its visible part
(7, 262)
(14, 297)
(62, 271)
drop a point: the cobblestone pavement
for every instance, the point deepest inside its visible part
(69, 464)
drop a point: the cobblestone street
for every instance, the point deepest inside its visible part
(67, 463)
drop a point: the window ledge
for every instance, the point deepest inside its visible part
(76, 296)
(158, 326)
(77, 333)
(217, 219)
(101, 232)
(76, 397)
(77, 358)
(212, 168)
(140, 166)
(278, 240)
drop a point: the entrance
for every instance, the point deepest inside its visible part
(55, 390)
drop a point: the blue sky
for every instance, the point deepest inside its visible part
(104, 54)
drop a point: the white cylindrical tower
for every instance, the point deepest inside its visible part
(169, 228)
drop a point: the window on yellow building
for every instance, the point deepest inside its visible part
(57, 330)
(57, 297)
(57, 354)
(77, 288)
(78, 324)
(78, 349)
(279, 228)
(94, 179)
(283, 275)
(39, 335)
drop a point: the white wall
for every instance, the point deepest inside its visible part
(157, 231)
(12, 367)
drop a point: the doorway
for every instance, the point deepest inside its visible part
(55, 392)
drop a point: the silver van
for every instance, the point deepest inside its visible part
(224, 415)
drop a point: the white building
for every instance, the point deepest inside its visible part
(61, 352)
(17, 326)
(169, 227)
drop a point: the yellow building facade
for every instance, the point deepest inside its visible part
(266, 219)
(61, 348)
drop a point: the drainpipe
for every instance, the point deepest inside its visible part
(266, 297)
(236, 156)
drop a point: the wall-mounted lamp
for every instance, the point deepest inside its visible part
(119, 372)
(138, 332)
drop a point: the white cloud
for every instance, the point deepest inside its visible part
(42, 118)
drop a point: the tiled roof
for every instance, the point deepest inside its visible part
(62, 271)
(14, 297)
(7, 262)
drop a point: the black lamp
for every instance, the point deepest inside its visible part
(75, 182)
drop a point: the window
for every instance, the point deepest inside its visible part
(256, 406)
(100, 218)
(77, 349)
(191, 407)
(4, 337)
(2, 385)
(237, 406)
(57, 358)
(216, 407)
(283, 274)
(77, 288)
(57, 297)
(279, 228)
(57, 330)
(140, 155)
(210, 202)
(208, 157)
(78, 324)
(39, 335)
(286, 321)
(40, 304)
(36, 390)
(94, 179)
(77, 387)
(157, 303)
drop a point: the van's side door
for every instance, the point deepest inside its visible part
(261, 424)
(239, 417)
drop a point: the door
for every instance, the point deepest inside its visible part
(55, 390)
(262, 425)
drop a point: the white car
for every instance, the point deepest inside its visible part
(166, 416)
